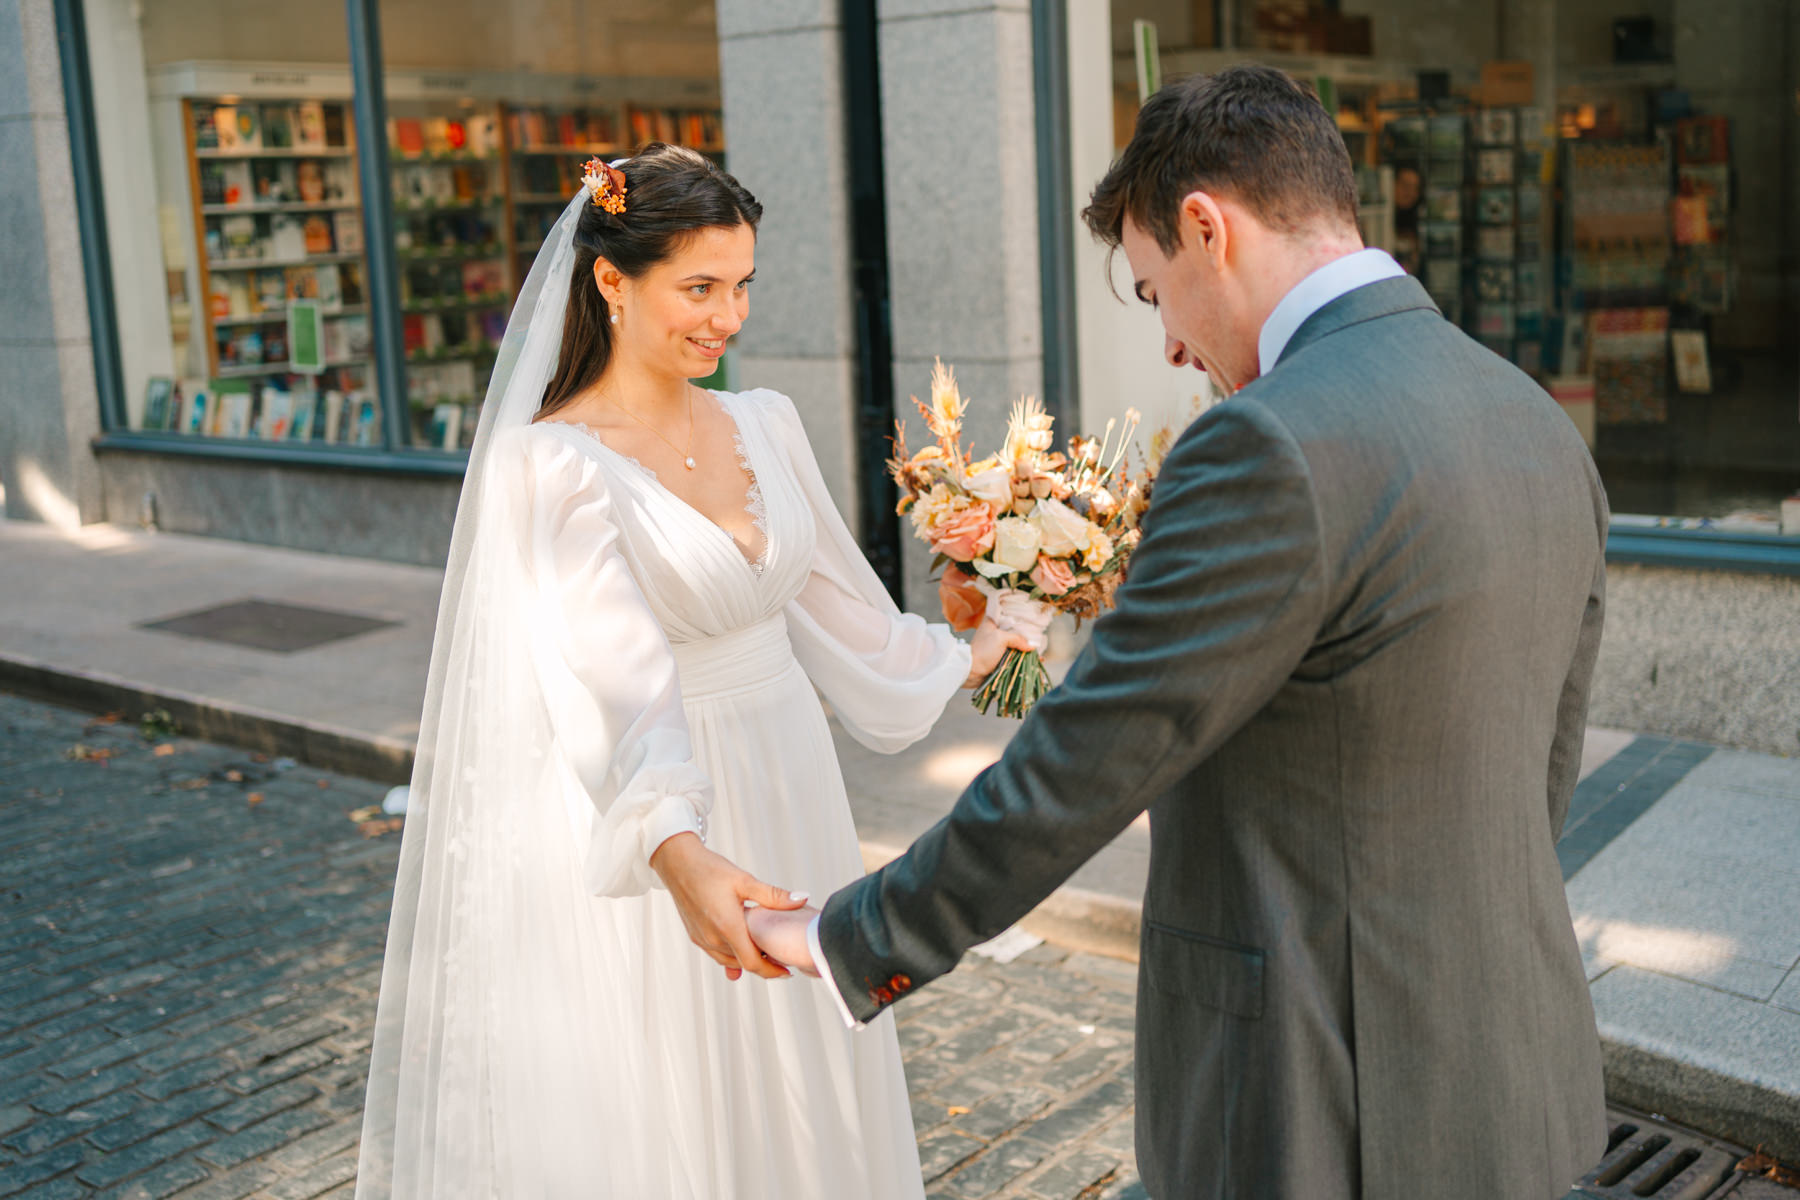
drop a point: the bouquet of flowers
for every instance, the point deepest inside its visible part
(1025, 533)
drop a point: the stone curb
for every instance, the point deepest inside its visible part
(1744, 1111)
(384, 760)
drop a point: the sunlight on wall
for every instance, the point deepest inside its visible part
(43, 497)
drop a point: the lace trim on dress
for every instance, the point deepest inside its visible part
(755, 506)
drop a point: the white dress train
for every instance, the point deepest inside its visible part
(610, 1056)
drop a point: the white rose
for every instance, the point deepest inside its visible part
(993, 486)
(1061, 530)
(1015, 544)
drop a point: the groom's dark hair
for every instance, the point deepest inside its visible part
(1249, 133)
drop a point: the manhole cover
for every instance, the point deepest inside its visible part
(266, 625)
(1648, 1159)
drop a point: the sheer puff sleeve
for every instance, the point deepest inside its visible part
(606, 672)
(887, 674)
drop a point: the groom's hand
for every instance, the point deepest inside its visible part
(709, 891)
(782, 936)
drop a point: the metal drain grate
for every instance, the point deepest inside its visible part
(1648, 1159)
(266, 625)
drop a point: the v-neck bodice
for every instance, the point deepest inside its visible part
(695, 574)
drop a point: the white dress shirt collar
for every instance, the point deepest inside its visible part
(1324, 285)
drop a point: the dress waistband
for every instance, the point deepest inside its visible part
(738, 661)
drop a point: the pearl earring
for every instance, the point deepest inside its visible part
(615, 318)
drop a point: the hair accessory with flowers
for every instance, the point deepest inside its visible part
(1025, 533)
(607, 184)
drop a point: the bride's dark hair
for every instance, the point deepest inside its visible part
(671, 194)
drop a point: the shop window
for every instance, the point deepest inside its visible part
(243, 293)
(1610, 208)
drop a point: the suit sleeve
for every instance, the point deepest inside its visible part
(1572, 704)
(1224, 598)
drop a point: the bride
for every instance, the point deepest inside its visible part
(646, 582)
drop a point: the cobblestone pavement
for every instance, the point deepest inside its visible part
(190, 944)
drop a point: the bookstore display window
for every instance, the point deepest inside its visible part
(244, 306)
(1614, 215)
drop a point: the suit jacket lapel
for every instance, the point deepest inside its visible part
(1382, 298)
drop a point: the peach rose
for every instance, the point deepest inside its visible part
(964, 603)
(1052, 576)
(965, 535)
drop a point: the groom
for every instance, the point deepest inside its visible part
(1348, 676)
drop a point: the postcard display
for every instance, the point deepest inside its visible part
(282, 341)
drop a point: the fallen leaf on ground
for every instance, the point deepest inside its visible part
(254, 798)
(324, 783)
(958, 1110)
(194, 785)
(164, 750)
(261, 758)
(234, 776)
(359, 815)
(374, 829)
(111, 718)
(81, 752)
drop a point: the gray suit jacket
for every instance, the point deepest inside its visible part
(1348, 676)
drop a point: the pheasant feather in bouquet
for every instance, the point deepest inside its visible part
(1024, 533)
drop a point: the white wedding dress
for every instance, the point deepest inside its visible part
(547, 1029)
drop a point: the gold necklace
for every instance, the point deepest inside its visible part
(687, 458)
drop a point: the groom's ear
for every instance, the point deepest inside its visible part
(1204, 227)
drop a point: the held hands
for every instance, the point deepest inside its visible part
(710, 891)
(782, 936)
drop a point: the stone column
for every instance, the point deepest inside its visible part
(49, 408)
(960, 151)
(781, 78)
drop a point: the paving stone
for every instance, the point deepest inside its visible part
(233, 1185)
(89, 1087)
(270, 1135)
(28, 1171)
(42, 1134)
(1074, 1174)
(65, 1188)
(146, 1154)
(162, 1182)
(155, 1118)
(316, 1180)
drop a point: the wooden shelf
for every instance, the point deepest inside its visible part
(285, 206)
(294, 152)
(491, 250)
(563, 151)
(268, 315)
(254, 370)
(497, 300)
(258, 264)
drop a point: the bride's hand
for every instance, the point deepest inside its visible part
(709, 891)
(990, 644)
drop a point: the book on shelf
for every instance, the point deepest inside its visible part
(347, 231)
(268, 290)
(493, 325)
(206, 132)
(336, 131)
(1693, 366)
(158, 393)
(234, 407)
(309, 181)
(277, 414)
(274, 182)
(316, 230)
(484, 135)
(309, 125)
(1495, 242)
(1494, 164)
(366, 424)
(340, 181)
(446, 426)
(1494, 283)
(437, 135)
(277, 126)
(1494, 206)
(329, 286)
(246, 127)
(350, 282)
(195, 403)
(235, 183)
(1496, 126)
(407, 136)
(331, 407)
(239, 238)
(482, 277)
(306, 407)
(287, 237)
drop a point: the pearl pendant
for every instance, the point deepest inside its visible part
(690, 462)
